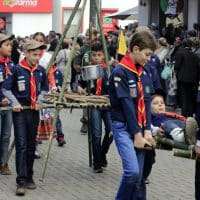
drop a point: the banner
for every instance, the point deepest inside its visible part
(26, 6)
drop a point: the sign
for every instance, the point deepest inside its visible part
(26, 6)
(108, 23)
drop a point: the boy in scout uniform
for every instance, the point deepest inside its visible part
(130, 97)
(5, 116)
(25, 86)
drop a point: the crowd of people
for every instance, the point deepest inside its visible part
(158, 70)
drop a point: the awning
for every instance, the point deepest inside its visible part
(130, 14)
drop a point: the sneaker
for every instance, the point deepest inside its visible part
(31, 185)
(37, 155)
(191, 129)
(21, 190)
(98, 169)
(4, 170)
(61, 142)
(84, 129)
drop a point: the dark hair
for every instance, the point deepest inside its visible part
(97, 47)
(143, 39)
(39, 33)
(53, 45)
(65, 45)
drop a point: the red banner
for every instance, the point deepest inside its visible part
(108, 23)
(26, 6)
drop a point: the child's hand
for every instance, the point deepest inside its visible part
(161, 132)
(5, 102)
(80, 90)
(17, 108)
(148, 136)
(197, 150)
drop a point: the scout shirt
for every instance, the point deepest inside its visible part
(17, 86)
(123, 94)
(5, 68)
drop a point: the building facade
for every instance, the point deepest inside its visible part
(25, 17)
(153, 11)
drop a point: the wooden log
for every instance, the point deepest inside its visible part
(171, 143)
(190, 154)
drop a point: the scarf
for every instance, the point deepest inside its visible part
(51, 76)
(24, 64)
(99, 83)
(127, 63)
(174, 115)
(4, 61)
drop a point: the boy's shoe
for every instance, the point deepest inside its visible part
(21, 190)
(31, 185)
(191, 129)
(61, 142)
(4, 170)
(98, 169)
(37, 155)
(84, 129)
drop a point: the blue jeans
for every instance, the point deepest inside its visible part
(100, 149)
(5, 133)
(25, 131)
(132, 186)
(171, 124)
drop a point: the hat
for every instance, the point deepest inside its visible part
(4, 37)
(32, 45)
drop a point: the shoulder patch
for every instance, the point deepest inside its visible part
(116, 78)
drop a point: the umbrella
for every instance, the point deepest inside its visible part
(127, 14)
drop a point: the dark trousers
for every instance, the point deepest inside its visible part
(100, 149)
(25, 131)
(188, 94)
(197, 180)
(59, 130)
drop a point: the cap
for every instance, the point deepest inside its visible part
(32, 45)
(4, 37)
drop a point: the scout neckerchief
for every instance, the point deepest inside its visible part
(24, 64)
(173, 115)
(4, 61)
(99, 83)
(127, 63)
(51, 76)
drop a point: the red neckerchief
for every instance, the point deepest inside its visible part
(4, 61)
(127, 63)
(99, 83)
(24, 64)
(51, 76)
(174, 115)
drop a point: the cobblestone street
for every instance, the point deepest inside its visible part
(69, 177)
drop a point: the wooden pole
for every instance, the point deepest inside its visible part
(102, 37)
(60, 99)
(67, 27)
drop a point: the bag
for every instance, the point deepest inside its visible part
(45, 128)
(167, 71)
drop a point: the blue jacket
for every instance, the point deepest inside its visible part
(19, 83)
(154, 67)
(59, 78)
(123, 97)
(3, 77)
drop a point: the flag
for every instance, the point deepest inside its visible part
(122, 47)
